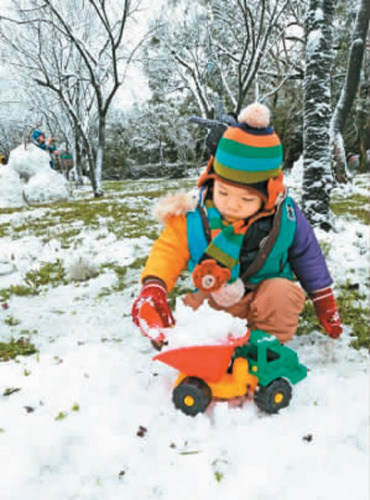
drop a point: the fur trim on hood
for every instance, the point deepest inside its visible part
(176, 204)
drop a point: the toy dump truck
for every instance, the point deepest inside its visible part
(255, 364)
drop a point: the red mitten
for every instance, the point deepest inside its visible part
(151, 312)
(327, 311)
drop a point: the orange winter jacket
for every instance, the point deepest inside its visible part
(169, 256)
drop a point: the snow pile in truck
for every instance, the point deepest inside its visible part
(206, 326)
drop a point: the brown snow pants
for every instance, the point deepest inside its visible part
(274, 306)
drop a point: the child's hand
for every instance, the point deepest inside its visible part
(327, 311)
(151, 312)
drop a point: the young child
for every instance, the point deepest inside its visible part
(244, 240)
(38, 138)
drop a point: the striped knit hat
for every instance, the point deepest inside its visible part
(249, 152)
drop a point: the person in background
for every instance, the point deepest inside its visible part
(3, 158)
(39, 139)
(243, 239)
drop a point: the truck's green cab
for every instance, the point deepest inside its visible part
(270, 360)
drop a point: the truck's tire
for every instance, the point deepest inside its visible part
(273, 397)
(192, 396)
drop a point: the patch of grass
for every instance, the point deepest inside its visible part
(121, 272)
(138, 263)
(4, 229)
(355, 206)
(13, 348)
(68, 237)
(19, 290)
(11, 321)
(325, 248)
(218, 466)
(49, 273)
(124, 212)
(28, 332)
(61, 416)
(11, 390)
(38, 227)
(354, 310)
(308, 320)
(218, 476)
(64, 414)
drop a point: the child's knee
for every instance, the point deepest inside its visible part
(276, 307)
(278, 295)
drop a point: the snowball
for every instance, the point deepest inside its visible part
(46, 186)
(82, 268)
(29, 161)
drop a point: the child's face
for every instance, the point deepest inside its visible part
(235, 203)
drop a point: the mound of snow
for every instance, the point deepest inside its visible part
(28, 178)
(46, 186)
(11, 188)
(29, 162)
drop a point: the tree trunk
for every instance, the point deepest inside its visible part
(77, 157)
(98, 191)
(349, 90)
(91, 164)
(317, 175)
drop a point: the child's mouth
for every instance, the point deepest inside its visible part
(231, 218)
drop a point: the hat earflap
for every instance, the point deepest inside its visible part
(275, 187)
(208, 174)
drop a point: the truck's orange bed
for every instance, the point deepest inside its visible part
(208, 362)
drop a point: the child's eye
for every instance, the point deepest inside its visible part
(222, 193)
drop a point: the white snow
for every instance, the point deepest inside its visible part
(71, 428)
(206, 326)
(28, 178)
(11, 188)
(313, 42)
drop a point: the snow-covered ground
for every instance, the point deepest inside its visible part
(90, 416)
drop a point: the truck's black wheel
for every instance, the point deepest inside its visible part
(192, 396)
(274, 396)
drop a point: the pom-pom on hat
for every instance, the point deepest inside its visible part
(249, 152)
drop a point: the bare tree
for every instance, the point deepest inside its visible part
(75, 50)
(216, 49)
(349, 90)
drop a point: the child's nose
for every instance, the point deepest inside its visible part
(233, 204)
